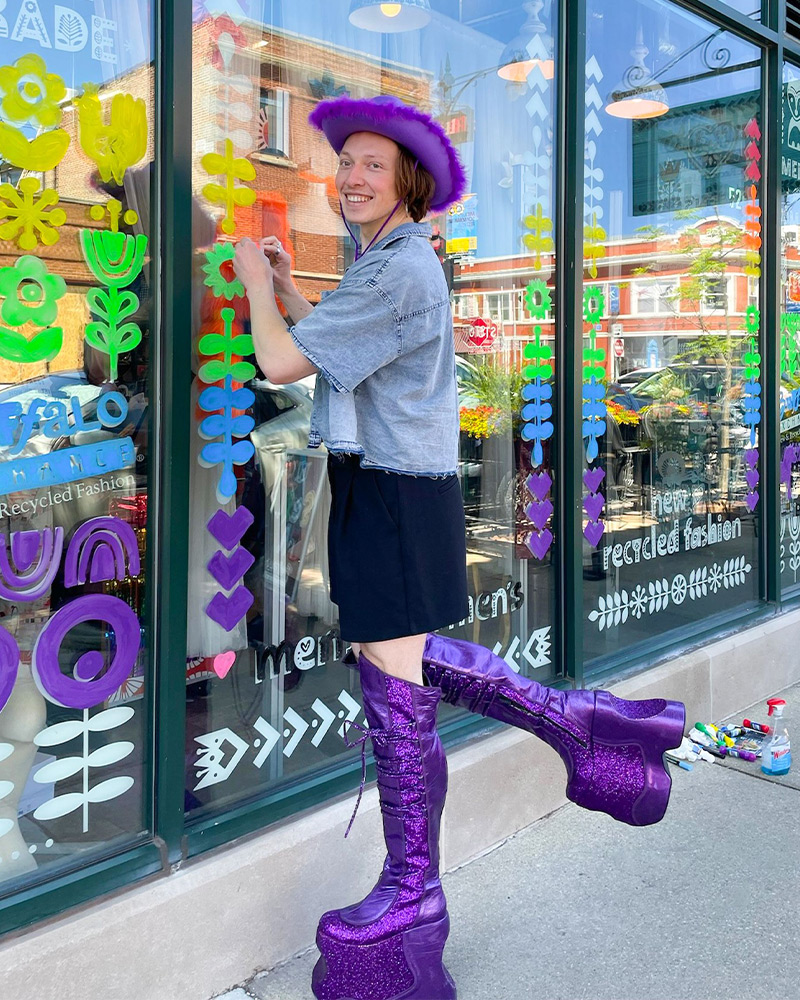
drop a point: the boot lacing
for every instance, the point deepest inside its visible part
(481, 697)
(394, 734)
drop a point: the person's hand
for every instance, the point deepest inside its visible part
(280, 261)
(252, 268)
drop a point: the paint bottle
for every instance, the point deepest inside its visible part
(776, 757)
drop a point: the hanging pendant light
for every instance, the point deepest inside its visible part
(372, 15)
(532, 47)
(638, 95)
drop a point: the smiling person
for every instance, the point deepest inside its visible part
(386, 407)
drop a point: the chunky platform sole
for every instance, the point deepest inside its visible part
(626, 742)
(405, 966)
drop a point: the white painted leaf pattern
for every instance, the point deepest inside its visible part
(614, 608)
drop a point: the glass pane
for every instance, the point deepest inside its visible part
(790, 330)
(671, 360)
(75, 330)
(752, 8)
(270, 690)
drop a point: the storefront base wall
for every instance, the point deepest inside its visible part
(218, 920)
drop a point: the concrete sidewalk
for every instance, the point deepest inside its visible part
(578, 907)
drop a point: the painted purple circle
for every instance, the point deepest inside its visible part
(9, 665)
(89, 665)
(81, 691)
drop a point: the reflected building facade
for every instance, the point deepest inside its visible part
(629, 389)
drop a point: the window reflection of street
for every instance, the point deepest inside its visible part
(676, 268)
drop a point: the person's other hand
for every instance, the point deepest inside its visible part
(280, 261)
(251, 266)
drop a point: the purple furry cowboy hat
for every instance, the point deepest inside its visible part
(421, 135)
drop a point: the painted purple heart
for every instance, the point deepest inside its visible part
(752, 478)
(593, 505)
(751, 457)
(539, 543)
(593, 532)
(752, 500)
(539, 513)
(539, 484)
(229, 528)
(592, 479)
(227, 611)
(226, 570)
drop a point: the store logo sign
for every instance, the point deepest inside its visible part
(790, 154)
(55, 419)
(57, 27)
(67, 465)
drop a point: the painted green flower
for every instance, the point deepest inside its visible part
(113, 258)
(30, 292)
(28, 93)
(752, 319)
(594, 304)
(218, 255)
(538, 299)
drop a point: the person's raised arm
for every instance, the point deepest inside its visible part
(277, 355)
(296, 304)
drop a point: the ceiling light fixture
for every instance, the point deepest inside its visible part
(372, 15)
(639, 94)
(532, 47)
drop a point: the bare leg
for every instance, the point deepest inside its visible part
(398, 657)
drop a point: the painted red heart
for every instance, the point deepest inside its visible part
(593, 532)
(751, 129)
(223, 663)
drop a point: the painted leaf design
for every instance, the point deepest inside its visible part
(59, 733)
(213, 343)
(242, 344)
(110, 789)
(58, 770)
(110, 718)
(241, 371)
(61, 805)
(110, 754)
(213, 371)
(43, 346)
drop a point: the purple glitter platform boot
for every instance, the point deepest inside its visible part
(612, 749)
(389, 946)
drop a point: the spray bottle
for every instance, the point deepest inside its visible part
(776, 757)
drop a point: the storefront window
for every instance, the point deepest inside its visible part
(266, 692)
(790, 328)
(671, 359)
(76, 325)
(752, 8)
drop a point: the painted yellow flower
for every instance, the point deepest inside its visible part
(114, 138)
(28, 93)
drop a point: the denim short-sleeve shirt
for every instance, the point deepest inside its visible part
(383, 344)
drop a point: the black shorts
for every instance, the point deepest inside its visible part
(397, 551)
